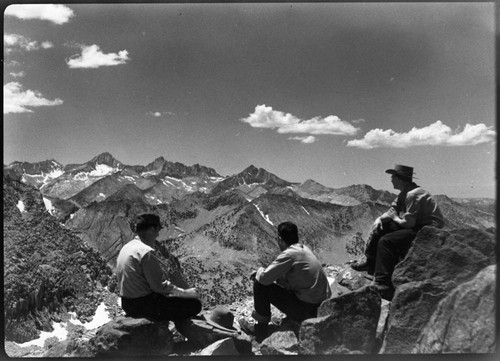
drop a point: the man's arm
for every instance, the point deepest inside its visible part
(277, 269)
(154, 276)
(408, 220)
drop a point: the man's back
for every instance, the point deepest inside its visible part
(298, 270)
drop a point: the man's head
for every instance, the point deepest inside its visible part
(288, 234)
(148, 226)
(400, 176)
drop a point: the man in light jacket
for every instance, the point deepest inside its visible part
(294, 282)
(144, 289)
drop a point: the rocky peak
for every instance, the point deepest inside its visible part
(179, 170)
(128, 192)
(312, 186)
(157, 163)
(45, 166)
(105, 158)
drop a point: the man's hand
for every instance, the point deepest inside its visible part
(183, 293)
(253, 276)
(377, 225)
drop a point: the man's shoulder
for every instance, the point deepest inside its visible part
(417, 191)
(137, 245)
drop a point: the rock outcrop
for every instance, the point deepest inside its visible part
(222, 347)
(280, 343)
(436, 264)
(128, 337)
(345, 324)
(464, 321)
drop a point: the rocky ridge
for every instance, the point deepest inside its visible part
(237, 226)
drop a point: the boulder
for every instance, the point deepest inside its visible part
(345, 324)
(450, 256)
(350, 279)
(126, 336)
(280, 343)
(222, 347)
(464, 321)
(410, 310)
(437, 262)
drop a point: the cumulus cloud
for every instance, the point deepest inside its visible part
(17, 100)
(15, 41)
(436, 134)
(307, 140)
(266, 117)
(92, 57)
(58, 14)
(19, 74)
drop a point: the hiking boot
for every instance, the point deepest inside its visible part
(259, 330)
(363, 266)
(385, 291)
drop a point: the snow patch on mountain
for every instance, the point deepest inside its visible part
(60, 328)
(20, 205)
(81, 176)
(265, 216)
(102, 170)
(48, 205)
(150, 173)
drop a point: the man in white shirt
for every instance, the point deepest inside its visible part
(294, 282)
(144, 289)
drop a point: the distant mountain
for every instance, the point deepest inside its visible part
(487, 205)
(252, 182)
(104, 159)
(35, 174)
(365, 193)
(105, 225)
(350, 196)
(462, 214)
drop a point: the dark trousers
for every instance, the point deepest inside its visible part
(160, 308)
(386, 248)
(283, 300)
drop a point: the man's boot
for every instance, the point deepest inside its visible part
(365, 265)
(259, 330)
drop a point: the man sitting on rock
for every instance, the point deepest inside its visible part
(394, 231)
(294, 282)
(144, 289)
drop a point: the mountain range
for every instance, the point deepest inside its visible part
(219, 227)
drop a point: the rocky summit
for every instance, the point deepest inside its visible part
(64, 226)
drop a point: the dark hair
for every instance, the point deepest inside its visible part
(288, 232)
(146, 220)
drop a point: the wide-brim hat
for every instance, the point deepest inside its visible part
(402, 171)
(222, 318)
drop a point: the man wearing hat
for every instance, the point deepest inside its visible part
(394, 231)
(144, 289)
(294, 282)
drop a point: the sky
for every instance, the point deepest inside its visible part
(334, 92)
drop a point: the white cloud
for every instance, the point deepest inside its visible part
(307, 140)
(19, 74)
(58, 14)
(436, 134)
(266, 117)
(17, 100)
(159, 114)
(93, 57)
(14, 41)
